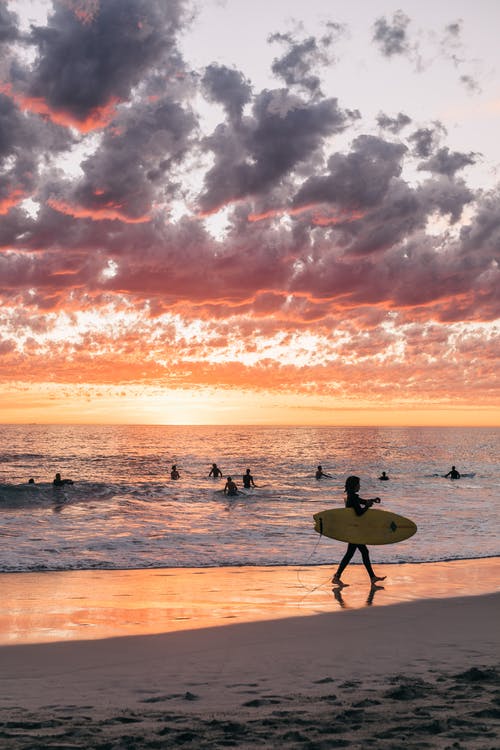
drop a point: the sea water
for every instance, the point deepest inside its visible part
(124, 511)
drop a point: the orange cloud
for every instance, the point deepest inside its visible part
(98, 119)
(318, 219)
(12, 200)
(109, 211)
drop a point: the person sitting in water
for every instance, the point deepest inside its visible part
(384, 477)
(320, 473)
(453, 474)
(58, 482)
(215, 472)
(248, 480)
(174, 474)
(230, 487)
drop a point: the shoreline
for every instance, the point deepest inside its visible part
(53, 606)
(420, 674)
(253, 660)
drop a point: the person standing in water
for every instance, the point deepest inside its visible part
(230, 488)
(215, 472)
(384, 477)
(353, 500)
(248, 480)
(453, 474)
(174, 474)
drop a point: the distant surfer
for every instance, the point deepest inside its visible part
(320, 473)
(174, 474)
(58, 482)
(230, 487)
(453, 474)
(353, 500)
(383, 477)
(215, 472)
(248, 480)
(31, 480)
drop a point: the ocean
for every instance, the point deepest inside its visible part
(124, 511)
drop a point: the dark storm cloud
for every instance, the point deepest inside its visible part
(393, 124)
(448, 162)
(8, 25)
(84, 66)
(391, 37)
(228, 87)
(282, 132)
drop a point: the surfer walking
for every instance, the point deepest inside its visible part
(453, 474)
(353, 500)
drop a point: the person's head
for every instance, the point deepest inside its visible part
(174, 467)
(320, 468)
(31, 481)
(453, 468)
(214, 466)
(352, 484)
(58, 476)
(248, 471)
(229, 479)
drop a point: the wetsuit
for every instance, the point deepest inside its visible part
(354, 501)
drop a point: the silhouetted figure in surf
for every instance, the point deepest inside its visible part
(384, 477)
(31, 481)
(453, 474)
(215, 472)
(353, 500)
(320, 473)
(230, 488)
(174, 474)
(248, 480)
(58, 482)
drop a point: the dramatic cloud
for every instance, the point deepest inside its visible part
(178, 226)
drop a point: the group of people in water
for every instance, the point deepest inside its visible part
(230, 488)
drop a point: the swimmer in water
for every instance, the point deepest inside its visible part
(230, 488)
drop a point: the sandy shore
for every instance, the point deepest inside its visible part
(416, 674)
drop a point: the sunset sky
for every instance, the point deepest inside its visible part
(250, 212)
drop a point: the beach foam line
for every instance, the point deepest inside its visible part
(95, 604)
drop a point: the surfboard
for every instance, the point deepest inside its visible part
(373, 527)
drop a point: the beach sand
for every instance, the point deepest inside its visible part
(416, 669)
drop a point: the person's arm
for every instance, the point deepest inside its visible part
(447, 475)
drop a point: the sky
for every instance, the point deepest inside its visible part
(222, 212)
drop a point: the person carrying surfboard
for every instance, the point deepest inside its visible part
(353, 500)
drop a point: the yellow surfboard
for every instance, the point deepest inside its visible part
(373, 527)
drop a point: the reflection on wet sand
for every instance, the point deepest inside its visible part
(71, 605)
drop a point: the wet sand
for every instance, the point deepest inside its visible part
(416, 669)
